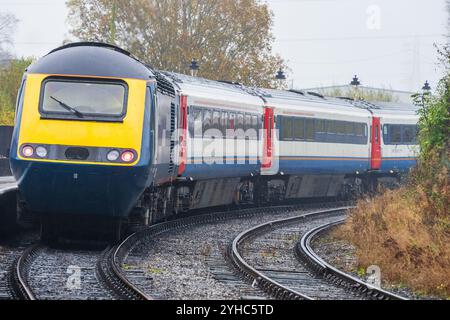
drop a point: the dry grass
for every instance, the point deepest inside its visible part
(402, 233)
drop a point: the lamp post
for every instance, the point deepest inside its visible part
(194, 68)
(281, 77)
(426, 87)
(355, 83)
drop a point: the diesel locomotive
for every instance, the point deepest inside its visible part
(102, 139)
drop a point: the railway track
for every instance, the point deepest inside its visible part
(11, 250)
(222, 252)
(331, 274)
(271, 257)
(152, 263)
(43, 273)
(40, 272)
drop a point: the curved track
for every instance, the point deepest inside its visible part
(333, 275)
(269, 256)
(10, 251)
(43, 273)
(170, 239)
(109, 271)
(263, 256)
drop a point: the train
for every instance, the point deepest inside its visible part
(104, 140)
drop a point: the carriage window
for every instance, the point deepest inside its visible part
(409, 134)
(240, 121)
(207, 121)
(395, 134)
(231, 121)
(286, 128)
(399, 134)
(331, 127)
(197, 115)
(255, 122)
(359, 129)
(224, 122)
(248, 121)
(83, 98)
(299, 128)
(349, 130)
(309, 129)
(306, 129)
(216, 120)
(340, 127)
(320, 126)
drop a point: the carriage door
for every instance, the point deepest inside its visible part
(183, 134)
(268, 140)
(375, 159)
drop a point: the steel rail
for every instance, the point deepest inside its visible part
(257, 278)
(305, 253)
(18, 275)
(111, 271)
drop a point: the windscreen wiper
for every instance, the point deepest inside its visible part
(67, 107)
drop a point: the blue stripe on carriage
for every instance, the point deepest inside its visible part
(323, 165)
(401, 164)
(199, 169)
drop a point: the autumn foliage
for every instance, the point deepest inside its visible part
(231, 39)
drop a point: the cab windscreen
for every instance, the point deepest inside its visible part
(83, 99)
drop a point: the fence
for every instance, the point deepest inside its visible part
(5, 142)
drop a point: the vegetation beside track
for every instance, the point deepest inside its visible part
(10, 80)
(406, 232)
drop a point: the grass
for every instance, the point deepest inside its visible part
(402, 233)
(6, 117)
(154, 270)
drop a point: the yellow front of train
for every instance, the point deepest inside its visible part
(81, 148)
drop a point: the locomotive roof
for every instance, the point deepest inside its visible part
(183, 80)
(216, 90)
(396, 110)
(294, 101)
(298, 95)
(91, 59)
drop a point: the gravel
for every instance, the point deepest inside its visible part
(190, 263)
(272, 253)
(66, 275)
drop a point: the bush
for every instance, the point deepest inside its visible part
(10, 80)
(406, 232)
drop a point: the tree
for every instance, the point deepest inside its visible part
(231, 39)
(448, 13)
(7, 24)
(10, 80)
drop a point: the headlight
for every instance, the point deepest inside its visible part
(113, 155)
(41, 152)
(27, 151)
(127, 156)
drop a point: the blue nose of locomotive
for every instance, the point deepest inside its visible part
(82, 190)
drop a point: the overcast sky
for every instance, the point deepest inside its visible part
(387, 43)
